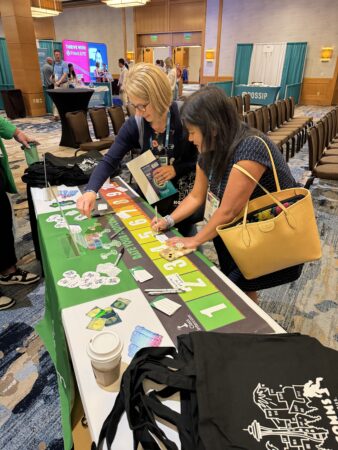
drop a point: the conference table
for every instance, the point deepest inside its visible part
(68, 100)
(260, 95)
(77, 254)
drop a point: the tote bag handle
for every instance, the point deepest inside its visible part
(272, 163)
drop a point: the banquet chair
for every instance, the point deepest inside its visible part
(239, 103)
(78, 124)
(100, 123)
(130, 110)
(117, 118)
(319, 168)
(246, 101)
(250, 119)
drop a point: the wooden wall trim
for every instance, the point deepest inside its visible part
(207, 79)
(219, 34)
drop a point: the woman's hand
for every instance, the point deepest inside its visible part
(159, 224)
(21, 137)
(189, 242)
(163, 174)
(86, 203)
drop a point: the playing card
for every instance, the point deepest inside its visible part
(94, 312)
(120, 303)
(96, 324)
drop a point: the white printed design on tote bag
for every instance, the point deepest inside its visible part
(295, 415)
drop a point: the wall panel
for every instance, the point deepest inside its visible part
(186, 16)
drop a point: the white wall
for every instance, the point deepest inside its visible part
(99, 23)
(254, 21)
(161, 53)
(210, 41)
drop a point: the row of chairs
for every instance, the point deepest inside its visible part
(241, 103)
(78, 123)
(323, 147)
(278, 122)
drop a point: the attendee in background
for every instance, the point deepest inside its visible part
(158, 64)
(47, 73)
(127, 63)
(60, 76)
(223, 140)
(10, 274)
(60, 70)
(72, 78)
(149, 92)
(179, 82)
(98, 73)
(172, 76)
(185, 75)
(120, 83)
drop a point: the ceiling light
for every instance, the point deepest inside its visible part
(124, 3)
(45, 8)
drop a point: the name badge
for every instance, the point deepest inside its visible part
(211, 204)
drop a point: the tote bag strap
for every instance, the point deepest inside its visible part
(275, 200)
(272, 163)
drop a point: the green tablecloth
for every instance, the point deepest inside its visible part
(57, 258)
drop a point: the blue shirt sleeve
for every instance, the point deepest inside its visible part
(126, 139)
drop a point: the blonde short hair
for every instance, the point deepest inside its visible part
(169, 62)
(149, 83)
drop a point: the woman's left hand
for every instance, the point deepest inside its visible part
(188, 242)
(164, 173)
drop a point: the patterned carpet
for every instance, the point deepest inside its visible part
(29, 404)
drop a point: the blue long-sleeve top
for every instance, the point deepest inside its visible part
(183, 151)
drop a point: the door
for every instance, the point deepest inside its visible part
(148, 55)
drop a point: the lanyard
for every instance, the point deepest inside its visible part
(167, 132)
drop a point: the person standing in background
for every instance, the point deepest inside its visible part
(172, 75)
(10, 274)
(47, 73)
(120, 83)
(60, 76)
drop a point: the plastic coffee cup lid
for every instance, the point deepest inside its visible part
(104, 346)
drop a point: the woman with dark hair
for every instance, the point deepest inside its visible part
(222, 141)
(72, 78)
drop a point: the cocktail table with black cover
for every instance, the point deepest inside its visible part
(67, 100)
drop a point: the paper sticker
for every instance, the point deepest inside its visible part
(140, 274)
(120, 303)
(165, 305)
(96, 324)
(142, 337)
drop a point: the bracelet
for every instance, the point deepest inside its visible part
(90, 190)
(170, 221)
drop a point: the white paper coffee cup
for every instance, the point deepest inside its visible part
(104, 351)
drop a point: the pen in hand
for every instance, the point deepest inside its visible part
(119, 256)
(156, 215)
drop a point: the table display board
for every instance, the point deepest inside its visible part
(260, 95)
(210, 301)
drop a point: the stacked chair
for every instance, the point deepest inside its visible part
(78, 124)
(323, 159)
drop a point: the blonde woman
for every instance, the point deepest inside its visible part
(172, 76)
(149, 92)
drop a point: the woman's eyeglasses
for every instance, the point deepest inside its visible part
(139, 107)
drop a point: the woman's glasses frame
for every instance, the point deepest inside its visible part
(139, 107)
